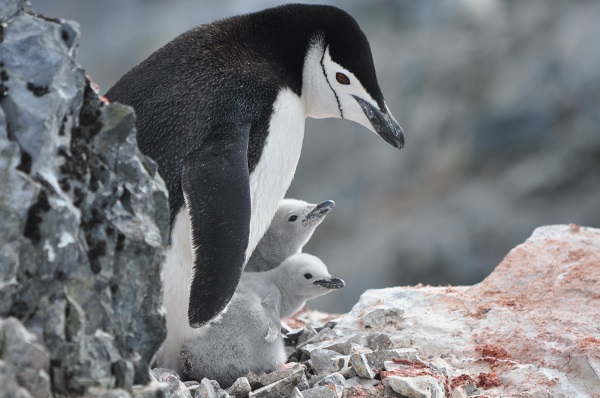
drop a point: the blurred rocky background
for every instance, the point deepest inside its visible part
(499, 101)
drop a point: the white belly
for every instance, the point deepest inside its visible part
(273, 174)
(268, 183)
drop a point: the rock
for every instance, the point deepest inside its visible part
(240, 388)
(334, 378)
(174, 386)
(277, 375)
(307, 333)
(377, 359)
(327, 361)
(416, 387)
(382, 341)
(330, 391)
(361, 366)
(382, 317)
(507, 334)
(320, 340)
(124, 372)
(333, 341)
(284, 387)
(84, 214)
(210, 389)
(24, 363)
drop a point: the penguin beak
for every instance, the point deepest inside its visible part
(383, 123)
(332, 283)
(319, 212)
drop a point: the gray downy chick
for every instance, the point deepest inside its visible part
(247, 338)
(291, 228)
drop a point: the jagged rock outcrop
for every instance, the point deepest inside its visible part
(84, 219)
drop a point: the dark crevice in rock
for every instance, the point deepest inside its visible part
(25, 165)
(38, 91)
(34, 218)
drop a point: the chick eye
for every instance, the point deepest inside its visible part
(293, 218)
(342, 79)
(308, 276)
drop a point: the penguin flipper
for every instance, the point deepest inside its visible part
(215, 182)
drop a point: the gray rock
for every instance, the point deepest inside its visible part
(361, 366)
(277, 375)
(173, 385)
(331, 391)
(240, 388)
(320, 340)
(282, 388)
(377, 359)
(358, 349)
(307, 333)
(8, 8)
(113, 393)
(297, 393)
(24, 363)
(382, 341)
(381, 317)
(191, 385)
(253, 380)
(327, 361)
(416, 387)
(210, 389)
(124, 372)
(334, 378)
(84, 215)
(348, 372)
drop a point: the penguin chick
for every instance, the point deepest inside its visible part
(294, 223)
(247, 337)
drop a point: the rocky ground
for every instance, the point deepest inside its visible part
(530, 329)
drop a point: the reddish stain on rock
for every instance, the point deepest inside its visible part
(461, 381)
(487, 380)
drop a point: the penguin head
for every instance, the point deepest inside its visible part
(304, 275)
(296, 220)
(339, 80)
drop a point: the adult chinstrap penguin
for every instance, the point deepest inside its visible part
(291, 228)
(247, 338)
(221, 109)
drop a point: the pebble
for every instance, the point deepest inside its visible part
(175, 387)
(327, 361)
(334, 378)
(240, 388)
(361, 366)
(331, 391)
(277, 375)
(210, 389)
(307, 333)
(284, 387)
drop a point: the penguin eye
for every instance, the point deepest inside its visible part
(308, 276)
(293, 218)
(342, 79)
